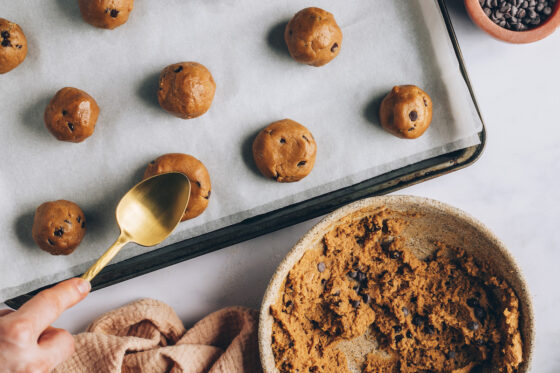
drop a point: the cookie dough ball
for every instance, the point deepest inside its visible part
(186, 89)
(194, 170)
(285, 151)
(106, 13)
(71, 115)
(313, 37)
(58, 227)
(406, 112)
(13, 45)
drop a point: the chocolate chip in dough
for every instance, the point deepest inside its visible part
(59, 232)
(413, 115)
(473, 325)
(114, 13)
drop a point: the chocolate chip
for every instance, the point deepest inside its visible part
(429, 329)
(323, 281)
(334, 47)
(472, 302)
(425, 102)
(336, 293)
(366, 298)
(305, 138)
(473, 325)
(321, 267)
(19, 46)
(395, 255)
(208, 195)
(355, 303)
(408, 334)
(288, 303)
(361, 276)
(413, 115)
(282, 140)
(356, 288)
(5, 34)
(83, 224)
(6, 43)
(480, 313)
(64, 112)
(302, 163)
(451, 355)
(71, 126)
(405, 311)
(179, 69)
(352, 274)
(199, 185)
(59, 232)
(79, 219)
(67, 221)
(290, 32)
(106, 10)
(418, 320)
(397, 328)
(114, 13)
(50, 242)
(398, 338)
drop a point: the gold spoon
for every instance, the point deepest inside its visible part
(147, 214)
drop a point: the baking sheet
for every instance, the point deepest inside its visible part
(385, 43)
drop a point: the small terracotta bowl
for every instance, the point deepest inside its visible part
(517, 37)
(433, 221)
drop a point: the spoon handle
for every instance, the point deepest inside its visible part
(105, 258)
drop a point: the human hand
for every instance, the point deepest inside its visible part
(27, 341)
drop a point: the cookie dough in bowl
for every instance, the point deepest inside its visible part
(194, 170)
(397, 284)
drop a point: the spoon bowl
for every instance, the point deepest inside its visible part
(147, 214)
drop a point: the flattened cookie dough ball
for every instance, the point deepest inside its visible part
(313, 37)
(285, 151)
(58, 227)
(13, 45)
(106, 13)
(194, 170)
(71, 115)
(186, 89)
(406, 111)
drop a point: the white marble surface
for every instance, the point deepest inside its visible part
(513, 189)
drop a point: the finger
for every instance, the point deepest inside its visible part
(5, 312)
(56, 346)
(44, 308)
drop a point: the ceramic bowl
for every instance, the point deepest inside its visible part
(518, 37)
(434, 221)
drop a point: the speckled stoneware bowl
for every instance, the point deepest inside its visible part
(433, 221)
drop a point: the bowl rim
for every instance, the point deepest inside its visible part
(540, 32)
(299, 249)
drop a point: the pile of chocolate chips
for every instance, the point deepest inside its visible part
(518, 15)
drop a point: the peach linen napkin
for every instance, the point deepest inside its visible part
(147, 336)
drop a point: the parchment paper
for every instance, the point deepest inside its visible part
(385, 43)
